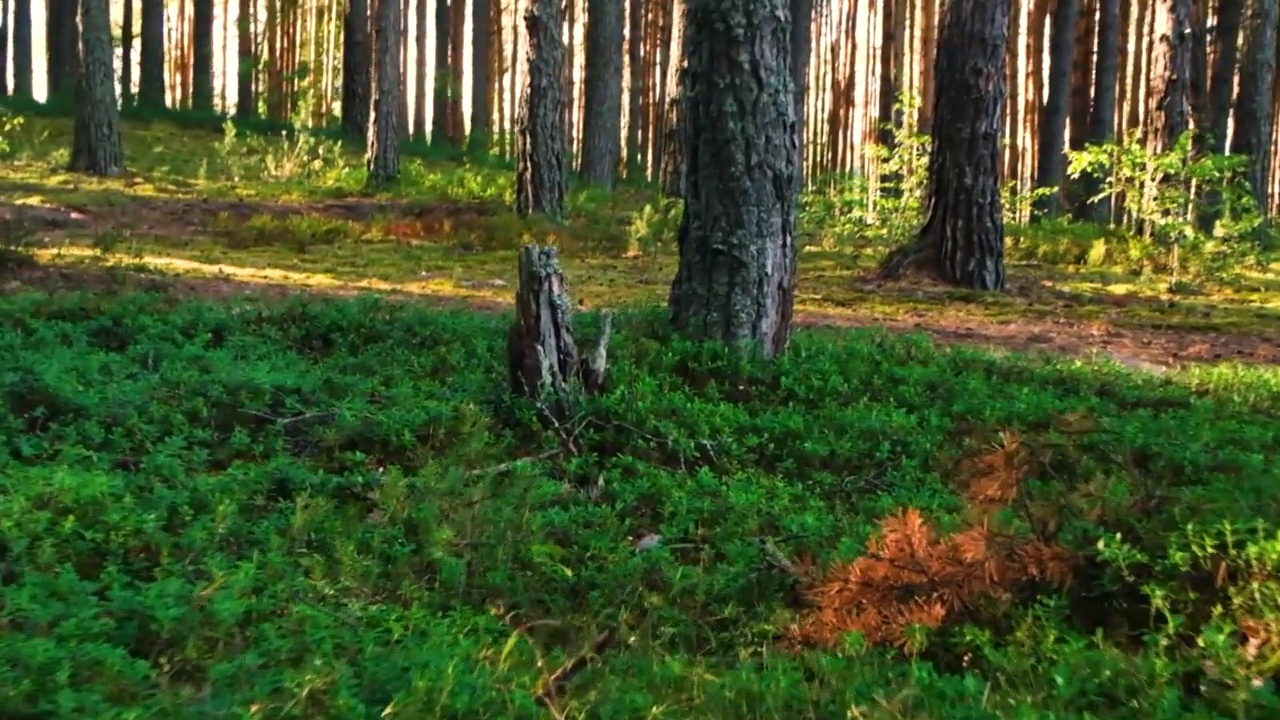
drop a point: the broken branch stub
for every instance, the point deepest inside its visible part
(542, 358)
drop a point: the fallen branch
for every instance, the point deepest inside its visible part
(503, 467)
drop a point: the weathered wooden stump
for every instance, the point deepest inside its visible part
(542, 359)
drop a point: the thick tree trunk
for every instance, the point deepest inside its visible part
(540, 175)
(737, 272)
(383, 159)
(440, 83)
(1057, 106)
(962, 242)
(357, 55)
(151, 65)
(246, 107)
(1226, 37)
(96, 148)
(675, 153)
(481, 65)
(543, 361)
(801, 49)
(1170, 113)
(202, 58)
(420, 72)
(22, 67)
(602, 123)
(1102, 119)
(1254, 100)
(61, 48)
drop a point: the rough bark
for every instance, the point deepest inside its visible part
(543, 361)
(540, 175)
(962, 242)
(675, 152)
(801, 50)
(1057, 106)
(151, 58)
(1254, 101)
(420, 72)
(1226, 37)
(737, 242)
(1102, 119)
(440, 83)
(202, 58)
(96, 148)
(481, 65)
(22, 68)
(602, 121)
(383, 159)
(1170, 113)
(357, 56)
(246, 107)
(1082, 74)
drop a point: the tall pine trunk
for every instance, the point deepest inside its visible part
(357, 56)
(151, 60)
(737, 273)
(96, 148)
(4, 48)
(602, 121)
(420, 72)
(1226, 38)
(1102, 118)
(126, 56)
(1254, 100)
(22, 67)
(481, 66)
(383, 160)
(202, 58)
(801, 49)
(540, 175)
(1057, 106)
(1169, 115)
(440, 83)
(61, 40)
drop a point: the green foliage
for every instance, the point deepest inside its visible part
(9, 124)
(311, 510)
(1163, 196)
(298, 156)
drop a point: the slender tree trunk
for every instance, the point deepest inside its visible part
(96, 148)
(1082, 75)
(61, 48)
(457, 61)
(962, 242)
(126, 56)
(151, 70)
(1057, 106)
(801, 50)
(1106, 82)
(602, 124)
(245, 105)
(1170, 113)
(1255, 103)
(888, 93)
(540, 175)
(420, 73)
(357, 55)
(22, 67)
(482, 56)
(635, 88)
(202, 58)
(383, 159)
(4, 48)
(402, 109)
(737, 242)
(440, 83)
(1226, 37)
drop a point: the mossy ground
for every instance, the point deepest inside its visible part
(241, 505)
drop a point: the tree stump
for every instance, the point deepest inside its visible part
(542, 359)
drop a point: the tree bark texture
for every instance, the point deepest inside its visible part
(737, 272)
(4, 48)
(1226, 40)
(151, 57)
(22, 67)
(543, 360)
(246, 105)
(1170, 113)
(481, 66)
(801, 50)
(1106, 80)
(384, 134)
(602, 121)
(440, 83)
(357, 55)
(420, 72)
(96, 148)
(1057, 106)
(457, 65)
(635, 87)
(1254, 100)
(202, 58)
(540, 175)
(126, 56)
(61, 47)
(962, 242)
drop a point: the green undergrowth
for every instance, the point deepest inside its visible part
(319, 509)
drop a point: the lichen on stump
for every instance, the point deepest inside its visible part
(542, 359)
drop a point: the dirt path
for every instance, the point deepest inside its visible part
(1146, 349)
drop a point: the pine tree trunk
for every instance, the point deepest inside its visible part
(1102, 119)
(402, 55)
(126, 56)
(801, 50)
(602, 124)
(22, 67)
(4, 48)
(635, 87)
(1170, 113)
(1254, 100)
(540, 175)
(420, 72)
(737, 242)
(151, 60)
(457, 61)
(202, 58)
(383, 159)
(1226, 37)
(481, 134)
(357, 56)
(1057, 106)
(440, 83)
(96, 148)
(962, 242)
(61, 48)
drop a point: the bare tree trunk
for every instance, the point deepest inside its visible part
(1057, 106)
(962, 242)
(457, 62)
(4, 48)
(246, 105)
(202, 54)
(440, 84)
(1226, 37)
(1254, 100)
(384, 137)
(420, 72)
(635, 87)
(61, 47)
(602, 123)
(801, 50)
(737, 273)
(1170, 114)
(22, 67)
(96, 147)
(1106, 82)
(540, 175)
(481, 135)
(151, 70)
